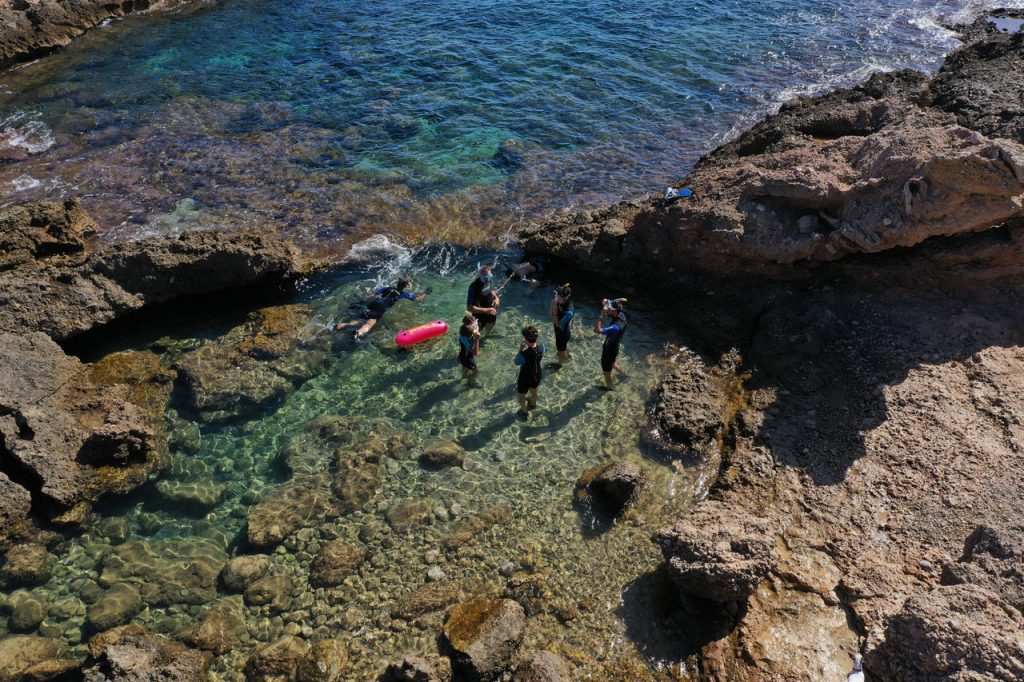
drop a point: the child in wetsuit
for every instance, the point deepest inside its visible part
(562, 312)
(531, 354)
(612, 332)
(469, 347)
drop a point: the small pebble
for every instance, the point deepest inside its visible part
(925, 565)
(435, 573)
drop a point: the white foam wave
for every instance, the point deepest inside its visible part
(25, 182)
(21, 130)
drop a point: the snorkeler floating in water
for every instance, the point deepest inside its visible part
(367, 312)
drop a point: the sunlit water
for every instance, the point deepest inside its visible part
(600, 574)
(336, 120)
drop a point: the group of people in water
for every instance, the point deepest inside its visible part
(482, 306)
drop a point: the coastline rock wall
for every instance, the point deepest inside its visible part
(30, 29)
(891, 163)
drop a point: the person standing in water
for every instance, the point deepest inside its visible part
(469, 347)
(482, 301)
(562, 312)
(372, 308)
(531, 354)
(612, 333)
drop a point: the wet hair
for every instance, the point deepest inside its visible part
(530, 333)
(403, 282)
(468, 319)
(565, 291)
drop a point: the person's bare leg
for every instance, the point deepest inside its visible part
(346, 325)
(621, 371)
(608, 381)
(532, 402)
(524, 406)
(367, 326)
(562, 355)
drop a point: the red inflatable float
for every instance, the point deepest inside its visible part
(421, 333)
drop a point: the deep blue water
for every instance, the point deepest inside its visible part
(340, 118)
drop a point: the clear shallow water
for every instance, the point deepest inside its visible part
(602, 603)
(336, 120)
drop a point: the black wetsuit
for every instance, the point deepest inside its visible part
(529, 360)
(481, 296)
(563, 327)
(612, 338)
(380, 303)
(466, 348)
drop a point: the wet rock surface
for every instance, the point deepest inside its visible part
(241, 571)
(609, 488)
(276, 660)
(253, 365)
(19, 653)
(420, 669)
(26, 564)
(181, 571)
(484, 635)
(336, 561)
(441, 455)
(326, 661)
(689, 408)
(543, 666)
(863, 170)
(32, 30)
(718, 553)
(116, 606)
(221, 628)
(133, 653)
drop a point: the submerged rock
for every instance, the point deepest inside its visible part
(718, 553)
(273, 591)
(221, 628)
(484, 635)
(27, 564)
(131, 653)
(446, 454)
(118, 605)
(468, 527)
(241, 571)
(254, 364)
(277, 660)
(195, 498)
(336, 561)
(326, 661)
(166, 572)
(18, 653)
(430, 668)
(610, 487)
(299, 503)
(953, 633)
(429, 597)
(404, 515)
(27, 612)
(543, 666)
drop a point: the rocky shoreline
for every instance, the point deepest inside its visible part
(851, 271)
(36, 28)
(860, 253)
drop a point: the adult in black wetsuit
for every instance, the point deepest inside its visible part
(482, 301)
(562, 312)
(612, 332)
(373, 307)
(531, 354)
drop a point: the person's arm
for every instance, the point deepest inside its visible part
(597, 327)
(553, 311)
(471, 305)
(476, 344)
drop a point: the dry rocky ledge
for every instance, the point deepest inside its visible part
(854, 263)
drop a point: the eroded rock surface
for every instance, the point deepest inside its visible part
(610, 487)
(132, 653)
(484, 635)
(718, 553)
(993, 558)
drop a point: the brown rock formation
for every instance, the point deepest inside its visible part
(34, 29)
(484, 635)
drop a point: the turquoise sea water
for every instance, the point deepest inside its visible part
(382, 125)
(337, 119)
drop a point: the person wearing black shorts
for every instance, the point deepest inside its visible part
(531, 354)
(612, 333)
(469, 347)
(562, 312)
(482, 301)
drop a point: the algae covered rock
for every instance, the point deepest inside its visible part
(326, 661)
(404, 515)
(131, 653)
(27, 564)
(241, 571)
(275, 660)
(118, 605)
(296, 504)
(467, 528)
(191, 497)
(484, 635)
(543, 666)
(336, 561)
(166, 572)
(429, 668)
(441, 455)
(425, 599)
(718, 553)
(274, 591)
(27, 611)
(610, 487)
(221, 628)
(254, 364)
(18, 653)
